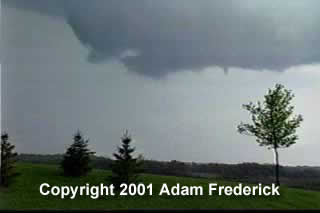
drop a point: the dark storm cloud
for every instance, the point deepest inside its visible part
(52, 8)
(157, 37)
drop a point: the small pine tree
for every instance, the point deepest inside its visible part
(125, 168)
(76, 160)
(8, 159)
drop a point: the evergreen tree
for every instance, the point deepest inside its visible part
(125, 168)
(8, 159)
(76, 160)
(274, 124)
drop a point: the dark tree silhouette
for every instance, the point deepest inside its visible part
(125, 168)
(274, 124)
(76, 160)
(8, 159)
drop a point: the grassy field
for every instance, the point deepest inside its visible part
(24, 194)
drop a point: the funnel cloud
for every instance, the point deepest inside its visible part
(175, 73)
(173, 35)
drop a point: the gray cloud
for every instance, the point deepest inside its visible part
(49, 90)
(171, 35)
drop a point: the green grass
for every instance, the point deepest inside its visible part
(24, 193)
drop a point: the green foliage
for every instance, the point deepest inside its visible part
(274, 124)
(76, 160)
(8, 159)
(125, 168)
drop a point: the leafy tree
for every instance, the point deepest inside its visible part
(125, 168)
(273, 122)
(76, 160)
(8, 159)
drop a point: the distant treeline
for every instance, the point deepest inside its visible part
(299, 176)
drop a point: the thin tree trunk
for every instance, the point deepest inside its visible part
(1, 159)
(277, 166)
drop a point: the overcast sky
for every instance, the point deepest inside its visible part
(173, 72)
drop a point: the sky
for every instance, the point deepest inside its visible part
(174, 73)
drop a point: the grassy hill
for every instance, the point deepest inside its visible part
(24, 194)
(303, 177)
